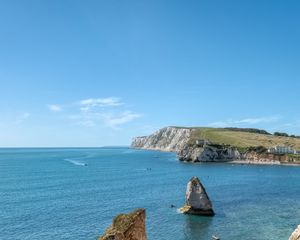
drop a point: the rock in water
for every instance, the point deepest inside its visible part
(129, 226)
(296, 234)
(197, 200)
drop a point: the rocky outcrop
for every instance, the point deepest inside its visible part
(209, 153)
(218, 153)
(264, 158)
(189, 153)
(197, 200)
(129, 226)
(171, 139)
(296, 234)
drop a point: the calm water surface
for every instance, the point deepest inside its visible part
(74, 194)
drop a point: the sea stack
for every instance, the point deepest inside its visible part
(197, 200)
(129, 226)
(296, 234)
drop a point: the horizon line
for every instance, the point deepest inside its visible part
(109, 146)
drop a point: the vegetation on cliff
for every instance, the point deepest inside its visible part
(203, 144)
(242, 139)
(250, 130)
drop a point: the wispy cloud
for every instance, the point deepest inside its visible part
(110, 112)
(87, 122)
(100, 102)
(54, 108)
(244, 122)
(291, 127)
(122, 118)
(20, 119)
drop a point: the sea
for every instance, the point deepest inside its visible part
(74, 193)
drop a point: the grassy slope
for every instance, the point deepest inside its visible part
(243, 139)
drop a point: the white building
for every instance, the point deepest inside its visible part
(201, 142)
(282, 150)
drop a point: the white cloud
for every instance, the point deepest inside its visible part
(110, 112)
(22, 118)
(100, 102)
(124, 117)
(246, 121)
(54, 108)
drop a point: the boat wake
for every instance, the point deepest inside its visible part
(78, 163)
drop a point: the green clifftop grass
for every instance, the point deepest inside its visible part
(241, 139)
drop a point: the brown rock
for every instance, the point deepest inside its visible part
(129, 226)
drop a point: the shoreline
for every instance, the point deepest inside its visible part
(242, 162)
(272, 163)
(245, 162)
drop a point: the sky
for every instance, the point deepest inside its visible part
(97, 73)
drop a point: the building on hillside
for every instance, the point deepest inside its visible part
(282, 150)
(201, 142)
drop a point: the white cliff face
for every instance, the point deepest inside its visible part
(296, 234)
(170, 139)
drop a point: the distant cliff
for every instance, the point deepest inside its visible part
(218, 145)
(179, 140)
(171, 139)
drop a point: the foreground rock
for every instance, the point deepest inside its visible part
(197, 200)
(296, 234)
(129, 226)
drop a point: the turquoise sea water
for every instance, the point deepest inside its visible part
(74, 194)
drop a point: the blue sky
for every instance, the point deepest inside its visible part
(94, 73)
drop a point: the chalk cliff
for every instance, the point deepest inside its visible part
(129, 226)
(296, 234)
(174, 139)
(170, 139)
